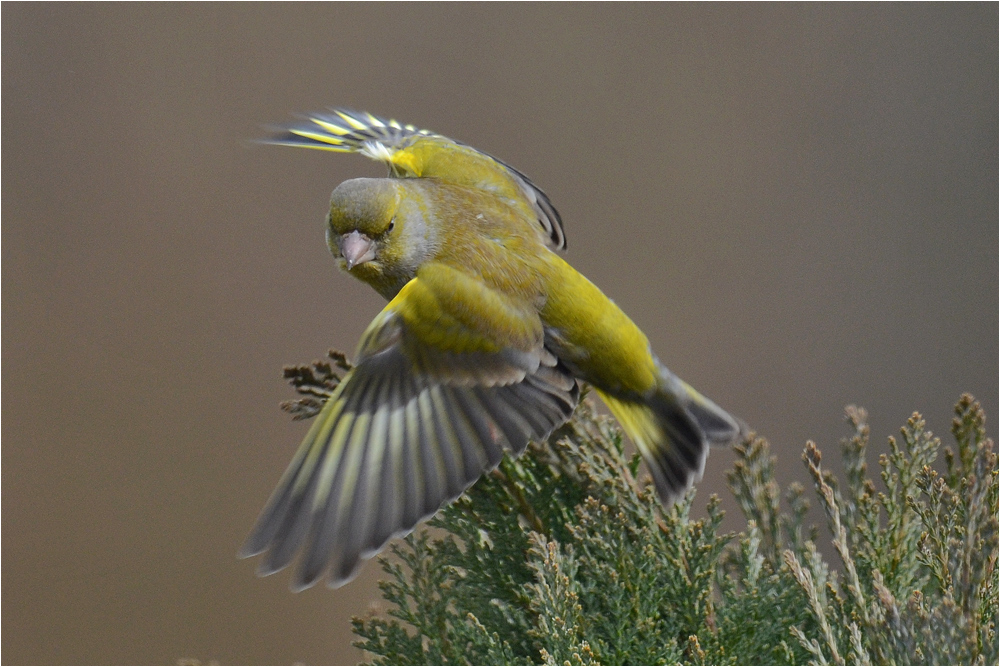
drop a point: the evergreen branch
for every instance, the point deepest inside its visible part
(563, 557)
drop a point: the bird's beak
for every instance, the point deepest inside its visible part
(356, 248)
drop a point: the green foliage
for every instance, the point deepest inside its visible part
(563, 557)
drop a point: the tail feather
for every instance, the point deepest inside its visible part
(673, 430)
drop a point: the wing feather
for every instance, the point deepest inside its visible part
(449, 447)
(487, 435)
(400, 437)
(391, 499)
(428, 451)
(513, 427)
(412, 473)
(519, 398)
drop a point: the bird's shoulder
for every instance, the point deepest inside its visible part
(454, 309)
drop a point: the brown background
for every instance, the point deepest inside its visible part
(798, 204)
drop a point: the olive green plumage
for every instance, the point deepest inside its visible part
(482, 346)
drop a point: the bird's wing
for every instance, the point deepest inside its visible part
(414, 153)
(430, 406)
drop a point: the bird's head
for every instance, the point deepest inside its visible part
(378, 232)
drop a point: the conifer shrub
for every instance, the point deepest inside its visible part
(564, 556)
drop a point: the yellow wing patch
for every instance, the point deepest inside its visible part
(345, 131)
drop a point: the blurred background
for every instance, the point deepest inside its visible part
(797, 203)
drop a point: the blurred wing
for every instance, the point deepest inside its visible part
(410, 428)
(413, 153)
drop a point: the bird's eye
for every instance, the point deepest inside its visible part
(392, 223)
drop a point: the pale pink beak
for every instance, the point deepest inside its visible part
(356, 248)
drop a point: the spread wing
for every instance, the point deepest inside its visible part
(413, 153)
(424, 413)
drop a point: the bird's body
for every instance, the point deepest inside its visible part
(482, 346)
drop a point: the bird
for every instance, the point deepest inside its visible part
(482, 347)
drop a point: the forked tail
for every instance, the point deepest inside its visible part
(673, 430)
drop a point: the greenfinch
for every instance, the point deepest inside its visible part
(482, 347)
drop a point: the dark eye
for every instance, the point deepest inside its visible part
(392, 223)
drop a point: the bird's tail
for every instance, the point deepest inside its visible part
(673, 429)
